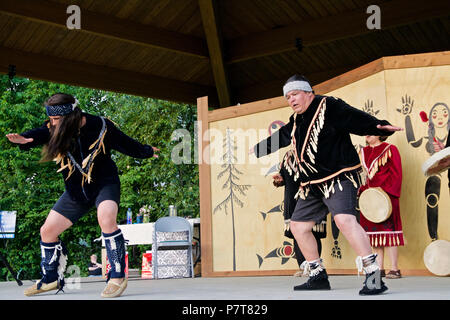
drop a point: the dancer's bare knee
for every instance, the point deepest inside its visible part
(301, 227)
(344, 221)
(48, 234)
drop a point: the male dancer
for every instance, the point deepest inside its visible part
(319, 131)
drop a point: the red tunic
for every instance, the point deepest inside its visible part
(384, 169)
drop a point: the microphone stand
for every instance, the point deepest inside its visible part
(8, 266)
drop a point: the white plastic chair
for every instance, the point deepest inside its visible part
(164, 238)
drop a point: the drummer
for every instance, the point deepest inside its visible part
(383, 167)
(438, 146)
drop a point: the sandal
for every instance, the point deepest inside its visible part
(113, 290)
(394, 274)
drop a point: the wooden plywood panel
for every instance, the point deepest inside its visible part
(244, 232)
(410, 92)
(248, 240)
(395, 95)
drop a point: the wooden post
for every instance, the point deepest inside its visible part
(204, 187)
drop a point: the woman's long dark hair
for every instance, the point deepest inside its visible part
(63, 135)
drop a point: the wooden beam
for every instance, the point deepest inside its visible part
(53, 13)
(269, 95)
(255, 106)
(353, 75)
(350, 24)
(82, 74)
(274, 88)
(392, 62)
(213, 34)
(330, 80)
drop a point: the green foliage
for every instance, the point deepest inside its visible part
(31, 187)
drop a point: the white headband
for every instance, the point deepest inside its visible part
(296, 85)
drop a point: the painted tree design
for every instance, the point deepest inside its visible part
(231, 175)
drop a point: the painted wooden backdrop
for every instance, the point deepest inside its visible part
(242, 226)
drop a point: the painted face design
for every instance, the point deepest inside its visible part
(439, 116)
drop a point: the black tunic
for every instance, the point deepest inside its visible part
(104, 169)
(322, 135)
(290, 190)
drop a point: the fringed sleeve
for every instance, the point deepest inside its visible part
(352, 120)
(40, 136)
(280, 139)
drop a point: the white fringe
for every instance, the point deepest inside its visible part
(369, 269)
(111, 240)
(359, 264)
(305, 267)
(62, 265)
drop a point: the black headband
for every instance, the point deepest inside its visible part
(60, 109)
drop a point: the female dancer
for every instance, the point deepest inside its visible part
(81, 144)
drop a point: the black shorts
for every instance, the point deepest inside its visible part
(316, 207)
(74, 210)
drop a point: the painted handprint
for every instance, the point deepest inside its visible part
(406, 109)
(407, 105)
(368, 107)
